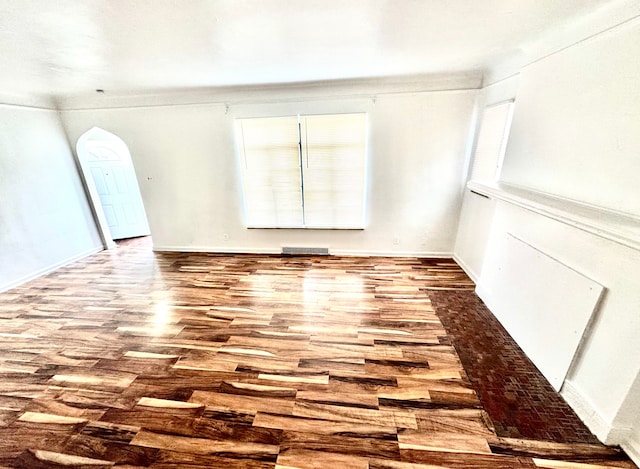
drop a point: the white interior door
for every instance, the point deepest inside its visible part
(115, 181)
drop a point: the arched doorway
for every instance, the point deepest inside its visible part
(112, 185)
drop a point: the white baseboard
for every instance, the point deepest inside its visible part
(367, 253)
(49, 268)
(278, 250)
(483, 293)
(598, 425)
(467, 270)
(631, 446)
(216, 249)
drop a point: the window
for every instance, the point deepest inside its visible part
(304, 171)
(492, 142)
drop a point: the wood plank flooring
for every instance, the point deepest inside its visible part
(135, 359)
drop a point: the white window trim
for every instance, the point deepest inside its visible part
(498, 158)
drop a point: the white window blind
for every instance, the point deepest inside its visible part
(333, 159)
(305, 172)
(492, 142)
(269, 149)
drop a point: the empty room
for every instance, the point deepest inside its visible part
(273, 234)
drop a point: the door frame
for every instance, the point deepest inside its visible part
(90, 185)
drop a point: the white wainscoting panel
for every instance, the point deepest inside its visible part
(544, 304)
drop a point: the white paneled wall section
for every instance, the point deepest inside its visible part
(571, 165)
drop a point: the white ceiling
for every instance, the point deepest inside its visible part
(66, 47)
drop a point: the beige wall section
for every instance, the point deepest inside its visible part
(188, 170)
(45, 220)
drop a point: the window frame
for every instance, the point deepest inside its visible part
(361, 222)
(479, 160)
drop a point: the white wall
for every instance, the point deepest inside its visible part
(476, 218)
(576, 135)
(45, 220)
(187, 166)
(576, 127)
(477, 212)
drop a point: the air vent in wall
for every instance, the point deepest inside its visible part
(297, 251)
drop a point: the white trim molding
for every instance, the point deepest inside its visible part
(49, 269)
(229, 95)
(621, 228)
(278, 250)
(632, 447)
(368, 253)
(584, 408)
(28, 101)
(467, 270)
(215, 249)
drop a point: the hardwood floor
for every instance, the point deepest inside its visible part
(135, 359)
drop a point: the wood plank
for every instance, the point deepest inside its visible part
(132, 358)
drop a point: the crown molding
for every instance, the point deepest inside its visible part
(609, 17)
(280, 92)
(27, 101)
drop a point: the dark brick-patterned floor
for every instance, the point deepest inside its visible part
(519, 400)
